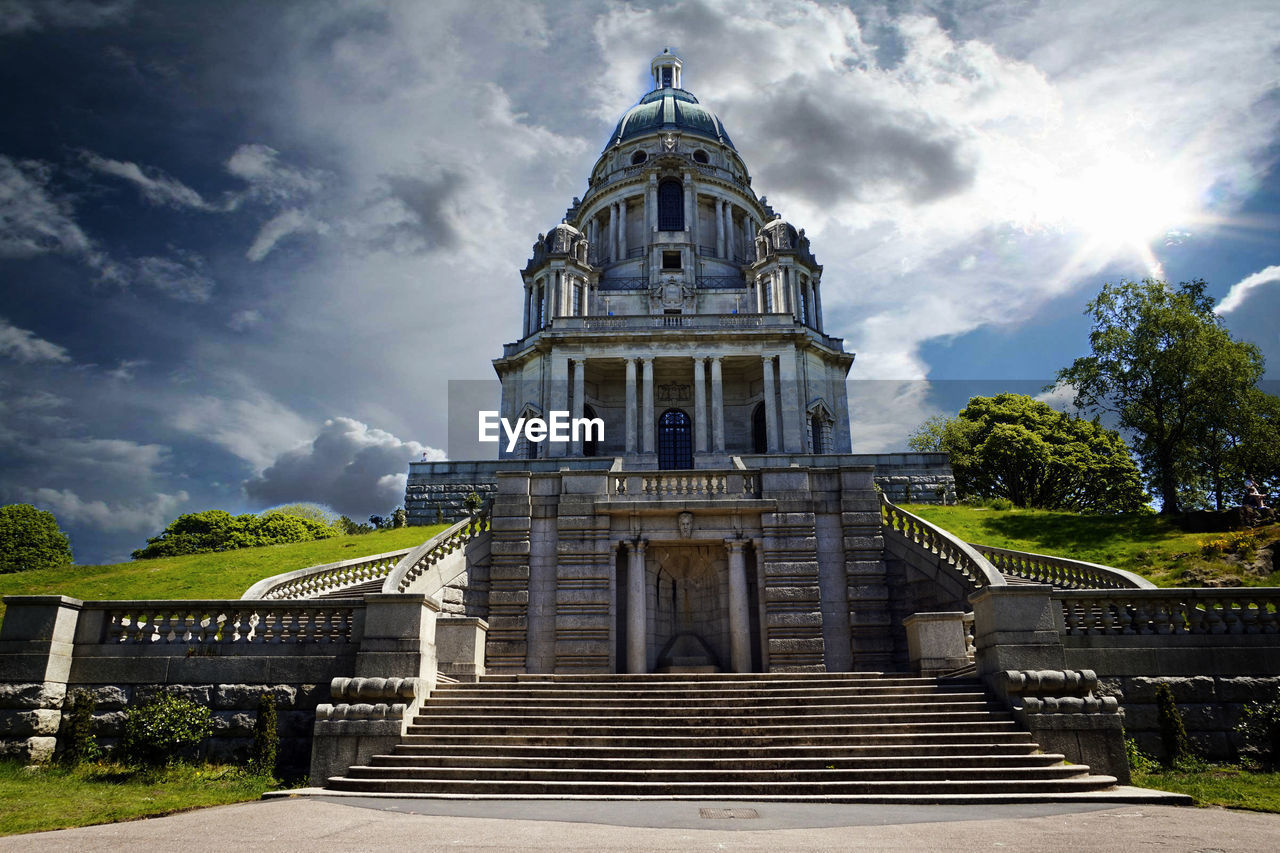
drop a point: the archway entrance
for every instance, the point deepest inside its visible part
(675, 440)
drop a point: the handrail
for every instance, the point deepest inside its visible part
(1060, 572)
(235, 622)
(1234, 611)
(422, 558)
(974, 569)
(314, 581)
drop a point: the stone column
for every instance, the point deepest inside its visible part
(770, 407)
(579, 397)
(637, 621)
(817, 306)
(622, 230)
(546, 302)
(646, 404)
(739, 615)
(791, 407)
(717, 406)
(728, 230)
(611, 236)
(651, 206)
(720, 253)
(699, 405)
(691, 209)
(559, 400)
(631, 405)
(528, 308)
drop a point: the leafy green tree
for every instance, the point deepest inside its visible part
(1015, 447)
(312, 511)
(218, 530)
(1164, 364)
(31, 539)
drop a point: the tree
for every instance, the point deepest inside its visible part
(1012, 446)
(218, 530)
(1178, 382)
(313, 511)
(31, 539)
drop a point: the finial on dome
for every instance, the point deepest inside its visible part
(666, 70)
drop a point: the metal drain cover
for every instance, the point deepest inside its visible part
(738, 814)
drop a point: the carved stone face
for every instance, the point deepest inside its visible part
(685, 520)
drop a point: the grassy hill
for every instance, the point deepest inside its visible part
(224, 575)
(1150, 545)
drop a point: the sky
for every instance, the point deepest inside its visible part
(244, 246)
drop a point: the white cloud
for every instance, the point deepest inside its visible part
(183, 277)
(248, 422)
(260, 166)
(1239, 291)
(155, 186)
(282, 225)
(242, 321)
(70, 508)
(349, 465)
(33, 220)
(26, 347)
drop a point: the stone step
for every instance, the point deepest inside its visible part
(700, 680)
(800, 751)
(788, 775)
(684, 739)
(461, 694)
(711, 760)
(968, 703)
(717, 789)
(748, 719)
(695, 727)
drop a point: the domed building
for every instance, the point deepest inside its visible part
(675, 306)
(715, 518)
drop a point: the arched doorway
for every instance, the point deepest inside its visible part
(675, 440)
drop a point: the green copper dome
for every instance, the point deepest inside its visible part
(669, 109)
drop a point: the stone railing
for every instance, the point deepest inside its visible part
(952, 555)
(426, 555)
(315, 581)
(1169, 611)
(669, 321)
(225, 623)
(659, 485)
(1060, 572)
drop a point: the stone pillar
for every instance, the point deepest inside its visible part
(739, 614)
(559, 399)
(770, 406)
(637, 620)
(717, 406)
(631, 405)
(728, 231)
(651, 206)
(622, 230)
(791, 407)
(691, 209)
(528, 308)
(612, 235)
(546, 303)
(720, 233)
(579, 398)
(699, 405)
(817, 306)
(646, 404)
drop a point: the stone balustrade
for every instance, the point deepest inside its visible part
(421, 559)
(225, 623)
(952, 556)
(669, 321)
(700, 485)
(1203, 612)
(315, 581)
(1060, 572)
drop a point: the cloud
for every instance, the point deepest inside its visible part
(27, 15)
(350, 466)
(70, 508)
(33, 220)
(260, 166)
(243, 321)
(183, 277)
(1239, 291)
(124, 370)
(291, 221)
(243, 420)
(155, 186)
(26, 347)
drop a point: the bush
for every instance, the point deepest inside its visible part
(1260, 727)
(79, 745)
(217, 530)
(1139, 761)
(31, 539)
(165, 730)
(1173, 733)
(266, 737)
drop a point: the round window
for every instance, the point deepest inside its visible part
(638, 158)
(700, 156)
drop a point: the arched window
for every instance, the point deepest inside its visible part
(590, 447)
(759, 428)
(675, 444)
(670, 206)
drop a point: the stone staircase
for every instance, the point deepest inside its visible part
(866, 737)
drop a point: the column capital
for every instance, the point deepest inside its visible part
(646, 359)
(638, 544)
(735, 545)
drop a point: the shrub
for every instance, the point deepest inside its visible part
(266, 737)
(79, 745)
(399, 518)
(1173, 732)
(164, 730)
(1241, 542)
(30, 539)
(1139, 761)
(217, 530)
(473, 502)
(1260, 727)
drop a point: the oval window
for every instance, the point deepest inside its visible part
(638, 158)
(700, 156)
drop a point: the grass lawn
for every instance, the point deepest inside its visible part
(57, 798)
(1219, 786)
(1149, 545)
(223, 575)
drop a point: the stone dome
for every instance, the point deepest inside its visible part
(669, 109)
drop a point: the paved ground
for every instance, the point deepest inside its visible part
(355, 824)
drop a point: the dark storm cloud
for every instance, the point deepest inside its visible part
(429, 201)
(349, 466)
(22, 15)
(831, 150)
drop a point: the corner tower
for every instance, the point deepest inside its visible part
(673, 304)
